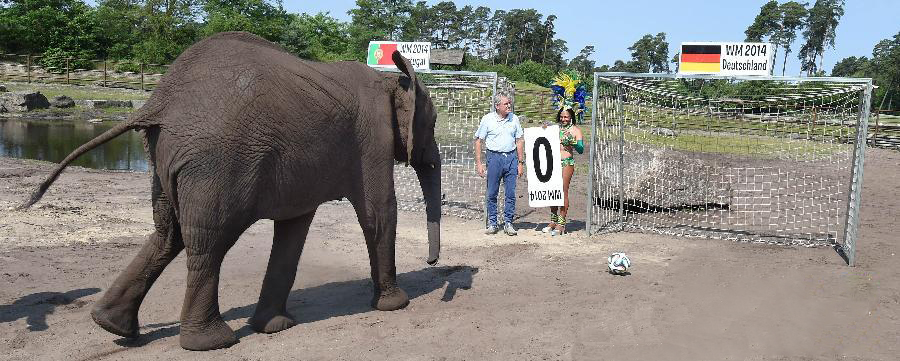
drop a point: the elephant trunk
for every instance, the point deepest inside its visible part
(430, 180)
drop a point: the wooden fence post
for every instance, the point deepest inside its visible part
(104, 72)
(142, 75)
(875, 135)
(67, 69)
(543, 108)
(28, 67)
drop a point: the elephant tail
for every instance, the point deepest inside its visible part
(84, 148)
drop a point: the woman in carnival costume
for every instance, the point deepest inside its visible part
(568, 96)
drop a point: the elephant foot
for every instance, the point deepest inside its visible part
(210, 337)
(391, 300)
(272, 324)
(116, 321)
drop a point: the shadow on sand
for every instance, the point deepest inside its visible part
(35, 307)
(335, 299)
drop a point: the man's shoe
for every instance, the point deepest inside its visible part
(492, 229)
(509, 229)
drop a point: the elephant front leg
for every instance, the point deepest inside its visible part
(379, 224)
(271, 312)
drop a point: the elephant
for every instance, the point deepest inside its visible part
(240, 130)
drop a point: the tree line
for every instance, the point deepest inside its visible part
(781, 23)
(521, 44)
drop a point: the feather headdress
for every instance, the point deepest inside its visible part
(569, 92)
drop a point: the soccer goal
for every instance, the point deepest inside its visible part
(461, 99)
(755, 159)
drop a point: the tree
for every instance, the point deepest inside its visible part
(417, 26)
(820, 33)
(765, 24)
(444, 24)
(582, 63)
(549, 33)
(676, 59)
(256, 16)
(793, 16)
(650, 54)
(33, 26)
(376, 20)
(317, 37)
(851, 67)
(886, 60)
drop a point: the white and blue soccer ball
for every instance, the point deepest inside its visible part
(618, 263)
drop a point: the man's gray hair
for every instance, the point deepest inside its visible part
(500, 96)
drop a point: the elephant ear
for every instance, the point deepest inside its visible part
(406, 67)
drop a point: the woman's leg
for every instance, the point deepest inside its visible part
(553, 214)
(568, 171)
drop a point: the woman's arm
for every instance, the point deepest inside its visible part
(579, 139)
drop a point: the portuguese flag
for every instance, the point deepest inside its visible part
(701, 58)
(380, 54)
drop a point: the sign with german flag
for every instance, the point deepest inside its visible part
(727, 58)
(418, 54)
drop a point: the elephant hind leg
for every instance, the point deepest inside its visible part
(271, 312)
(117, 310)
(202, 326)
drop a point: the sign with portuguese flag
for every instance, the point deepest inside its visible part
(727, 58)
(418, 54)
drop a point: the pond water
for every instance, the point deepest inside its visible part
(53, 140)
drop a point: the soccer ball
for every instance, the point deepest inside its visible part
(618, 263)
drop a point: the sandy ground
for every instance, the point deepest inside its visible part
(529, 297)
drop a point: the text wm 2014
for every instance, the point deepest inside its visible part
(746, 50)
(413, 48)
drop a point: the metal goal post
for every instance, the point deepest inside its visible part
(757, 159)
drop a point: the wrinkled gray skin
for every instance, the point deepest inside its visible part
(239, 130)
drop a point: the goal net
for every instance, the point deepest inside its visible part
(461, 99)
(773, 160)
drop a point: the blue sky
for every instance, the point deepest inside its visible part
(612, 26)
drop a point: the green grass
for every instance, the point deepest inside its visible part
(885, 119)
(78, 92)
(742, 145)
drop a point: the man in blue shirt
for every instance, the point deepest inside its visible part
(501, 133)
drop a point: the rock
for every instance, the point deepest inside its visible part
(20, 102)
(95, 120)
(32, 101)
(62, 101)
(3, 109)
(662, 131)
(3, 89)
(97, 104)
(665, 179)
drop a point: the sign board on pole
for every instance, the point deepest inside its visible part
(727, 58)
(542, 164)
(418, 54)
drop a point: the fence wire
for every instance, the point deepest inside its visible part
(771, 161)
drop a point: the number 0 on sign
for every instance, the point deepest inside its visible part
(542, 163)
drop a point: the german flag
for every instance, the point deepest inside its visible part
(701, 58)
(380, 54)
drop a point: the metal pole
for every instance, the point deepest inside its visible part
(592, 158)
(852, 221)
(620, 112)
